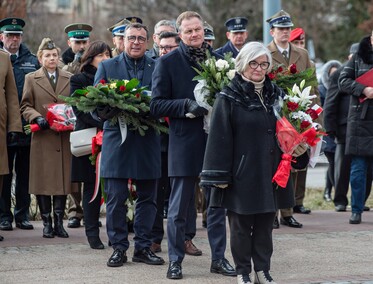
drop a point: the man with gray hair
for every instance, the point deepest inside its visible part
(160, 27)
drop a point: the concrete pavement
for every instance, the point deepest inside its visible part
(326, 250)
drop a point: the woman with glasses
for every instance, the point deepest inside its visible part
(243, 132)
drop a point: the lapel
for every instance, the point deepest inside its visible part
(294, 54)
(120, 67)
(148, 71)
(63, 81)
(42, 80)
(277, 57)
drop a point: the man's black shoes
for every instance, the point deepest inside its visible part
(301, 209)
(24, 225)
(222, 266)
(147, 256)
(291, 222)
(6, 226)
(174, 270)
(117, 258)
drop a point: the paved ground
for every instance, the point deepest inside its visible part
(326, 250)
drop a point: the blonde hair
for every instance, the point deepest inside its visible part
(186, 16)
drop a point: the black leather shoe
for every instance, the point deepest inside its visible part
(117, 258)
(174, 270)
(74, 222)
(24, 225)
(291, 222)
(340, 208)
(95, 243)
(276, 224)
(6, 226)
(301, 209)
(147, 256)
(327, 197)
(366, 208)
(1, 238)
(222, 266)
(355, 218)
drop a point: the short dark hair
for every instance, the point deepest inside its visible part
(137, 26)
(170, 34)
(94, 48)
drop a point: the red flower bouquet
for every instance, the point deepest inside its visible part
(60, 118)
(295, 125)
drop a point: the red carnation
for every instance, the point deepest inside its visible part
(102, 81)
(304, 124)
(279, 69)
(292, 106)
(122, 88)
(137, 95)
(312, 113)
(293, 68)
(271, 76)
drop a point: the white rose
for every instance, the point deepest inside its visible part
(221, 64)
(231, 74)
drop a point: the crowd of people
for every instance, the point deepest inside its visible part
(169, 169)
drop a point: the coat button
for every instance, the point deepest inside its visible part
(271, 151)
(270, 131)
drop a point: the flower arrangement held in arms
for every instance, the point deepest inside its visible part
(131, 101)
(212, 77)
(295, 125)
(60, 117)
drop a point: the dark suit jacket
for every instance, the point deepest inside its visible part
(139, 157)
(172, 85)
(228, 47)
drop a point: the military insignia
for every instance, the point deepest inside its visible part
(14, 22)
(133, 20)
(238, 20)
(80, 26)
(51, 45)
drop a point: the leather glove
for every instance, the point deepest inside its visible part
(300, 150)
(107, 112)
(193, 110)
(42, 122)
(78, 56)
(221, 185)
(12, 138)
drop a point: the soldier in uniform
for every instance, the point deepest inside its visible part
(10, 119)
(298, 37)
(117, 30)
(23, 62)
(236, 35)
(78, 35)
(209, 34)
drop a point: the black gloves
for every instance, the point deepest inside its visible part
(193, 110)
(78, 55)
(42, 122)
(107, 112)
(12, 138)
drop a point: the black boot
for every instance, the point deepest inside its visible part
(45, 207)
(327, 194)
(59, 203)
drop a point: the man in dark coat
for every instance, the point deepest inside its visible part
(23, 62)
(137, 158)
(173, 97)
(236, 35)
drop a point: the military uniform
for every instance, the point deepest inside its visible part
(117, 30)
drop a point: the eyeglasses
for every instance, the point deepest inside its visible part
(140, 39)
(263, 65)
(10, 35)
(167, 47)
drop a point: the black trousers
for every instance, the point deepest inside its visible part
(19, 156)
(251, 239)
(342, 165)
(91, 210)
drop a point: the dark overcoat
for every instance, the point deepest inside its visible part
(242, 150)
(359, 138)
(172, 85)
(139, 157)
(81, 168)
(228, 47)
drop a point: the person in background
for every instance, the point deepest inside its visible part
(81, 168)
(159, 28)
(285, 53)
(23, 62)
(50, 150)
(247, 192)
(335, 122)
(298, 37)
(360, 117)
(117, 31)
(236, 35)
(10, 118)
(209, 34)
(329, 145)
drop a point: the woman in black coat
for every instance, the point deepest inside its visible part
(243, 133)
(82, 169)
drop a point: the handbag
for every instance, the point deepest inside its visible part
(81, 141)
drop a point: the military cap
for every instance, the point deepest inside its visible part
(118, 28)
(134, 20)
(78, 31)
(12, 26)
(209, 31)
(237, 24)
(280, 20)
(47, 44)
(297, 34)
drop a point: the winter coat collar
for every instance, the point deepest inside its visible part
(68, 56)
(365, 51)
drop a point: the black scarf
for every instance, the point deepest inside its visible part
(197, 54)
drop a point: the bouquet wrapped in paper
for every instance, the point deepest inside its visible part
(295, 125)
(212, 77)
(60, 117)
